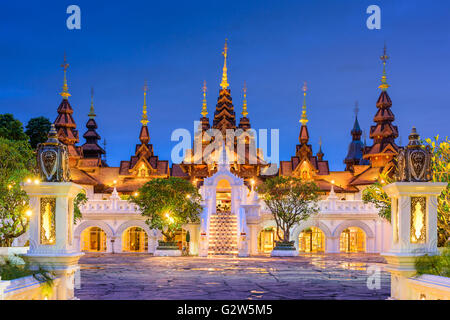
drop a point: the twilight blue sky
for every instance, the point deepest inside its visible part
(273, 45)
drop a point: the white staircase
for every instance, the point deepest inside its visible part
(223, 234)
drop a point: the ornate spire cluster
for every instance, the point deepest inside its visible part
(224, 84)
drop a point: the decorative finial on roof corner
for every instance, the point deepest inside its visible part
(91, 113)
(144, 120)
(384, 85)
(304, 119)
(224, 84)
(65, 93)
(244, 104)
(204, 112)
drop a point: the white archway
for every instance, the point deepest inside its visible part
(370, 235)
(129, 224)
(93, 223)
(295, 233)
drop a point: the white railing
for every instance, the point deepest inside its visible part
(329, 206)
(109, 206)
(346, 206)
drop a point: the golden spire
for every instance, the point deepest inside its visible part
(384, 85)
(244, 104)
(204, 112)
(224, 84)
(304, 119)
(144, 120)
(91, 113)
(65, 93)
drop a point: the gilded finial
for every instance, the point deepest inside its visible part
(204, 112)
(244, 104)
(304, 119)
(224, 84)
(144, 120)
(65, 93)
(384, 85)
(91, 113)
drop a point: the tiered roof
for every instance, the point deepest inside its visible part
(356, 147)
(64, 123)
(91, 149)
(383, 132)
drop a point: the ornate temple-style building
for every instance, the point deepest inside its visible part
(234, 220)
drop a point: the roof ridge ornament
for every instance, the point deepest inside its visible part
(65, 92)
(384, 85)
(144, 120)
(224, 84)
(91, 111)
(304, 120)
(244, 104)
(204, 112)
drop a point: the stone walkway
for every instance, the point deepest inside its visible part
(141, 276)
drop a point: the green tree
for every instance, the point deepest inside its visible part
(11, 128)
(168, 204)
(17, 162)
(440, 165)
(290, 200)
(78, 201)
(37, 130)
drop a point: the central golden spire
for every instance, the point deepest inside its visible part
(91, 113)
(204, 112)
(144, 120)
(304, 119)
(244, 104)
(224, 84)
(65, 93)
(384, 85)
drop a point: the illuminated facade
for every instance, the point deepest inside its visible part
(234, 220)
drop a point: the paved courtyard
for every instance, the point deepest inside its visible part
(141, 276)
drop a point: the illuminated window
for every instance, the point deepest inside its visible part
(134, 239)
(93, 239)
(311, 240)
(353, 239)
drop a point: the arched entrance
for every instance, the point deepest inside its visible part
(311, 240)
(223, 196)
(93, 239)
(134, 239)
(266, 240)
(352, 239)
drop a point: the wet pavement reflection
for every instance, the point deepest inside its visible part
(312, 276)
